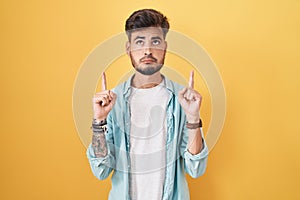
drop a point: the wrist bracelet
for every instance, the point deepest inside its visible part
(101, 123)
(194, 125)
(99, 127)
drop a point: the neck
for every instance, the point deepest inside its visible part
(146, 81)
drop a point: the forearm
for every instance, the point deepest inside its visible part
(195, 142)
(99, 144)
(100, 153)
(98, 140)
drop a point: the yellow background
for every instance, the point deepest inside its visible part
(255, 45)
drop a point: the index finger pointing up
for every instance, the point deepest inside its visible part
(191, 80)
(103, 81)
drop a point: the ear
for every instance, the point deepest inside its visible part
(127, 46)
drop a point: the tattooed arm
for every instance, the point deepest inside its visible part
(98, 140)
(103, 102)
(100, 153)
(99, 144)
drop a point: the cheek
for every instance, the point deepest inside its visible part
(159, 54)
(137, 54)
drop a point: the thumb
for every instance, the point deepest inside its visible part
(181, 94)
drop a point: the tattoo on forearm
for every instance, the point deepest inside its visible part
(99, 144)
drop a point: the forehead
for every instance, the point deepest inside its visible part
(147, 32)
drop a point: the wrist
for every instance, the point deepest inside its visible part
(98, 119)
(99, 122)
(196, 125)
(99, 116)
(99, 126)
(192, 119)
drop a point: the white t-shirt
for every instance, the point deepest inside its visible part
(148, 142)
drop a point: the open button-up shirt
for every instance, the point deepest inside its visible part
(178, 159)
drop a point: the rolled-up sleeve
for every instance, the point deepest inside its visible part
(102, 166)
(194, 165)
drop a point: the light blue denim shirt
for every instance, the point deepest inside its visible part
(178, 159)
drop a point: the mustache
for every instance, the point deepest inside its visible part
(147, 58)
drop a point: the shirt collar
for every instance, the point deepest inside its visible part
(127, 86)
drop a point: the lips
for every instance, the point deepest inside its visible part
(148, 59)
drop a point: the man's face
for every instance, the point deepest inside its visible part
(147, 49)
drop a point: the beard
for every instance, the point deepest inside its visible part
(147, 69)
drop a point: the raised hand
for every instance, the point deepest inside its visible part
(190, 100)
(103, 101)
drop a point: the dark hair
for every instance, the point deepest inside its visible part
(146, 18)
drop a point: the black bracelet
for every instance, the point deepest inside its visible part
(99, 127)
(194, 125)
(101, 123)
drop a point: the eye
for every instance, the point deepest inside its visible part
(139, 42)
(156, 42)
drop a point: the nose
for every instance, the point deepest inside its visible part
(147, 51)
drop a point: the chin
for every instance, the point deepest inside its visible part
(148, 69)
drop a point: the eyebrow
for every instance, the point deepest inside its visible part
(153, 38)
(139, 37)
(156, 38)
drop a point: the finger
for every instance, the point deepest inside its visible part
(193, 95)
(113, 99)
(191, 80)
(103, 81)
(182, 92)
(100, 100)
(188, 95)
(104, 102)
(109, 100)
(106, 94)
(103, 93)
(110, 95)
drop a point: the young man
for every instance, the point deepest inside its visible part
(147, 130)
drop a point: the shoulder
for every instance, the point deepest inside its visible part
(119, 88)
(173, 86)
(122, 88)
